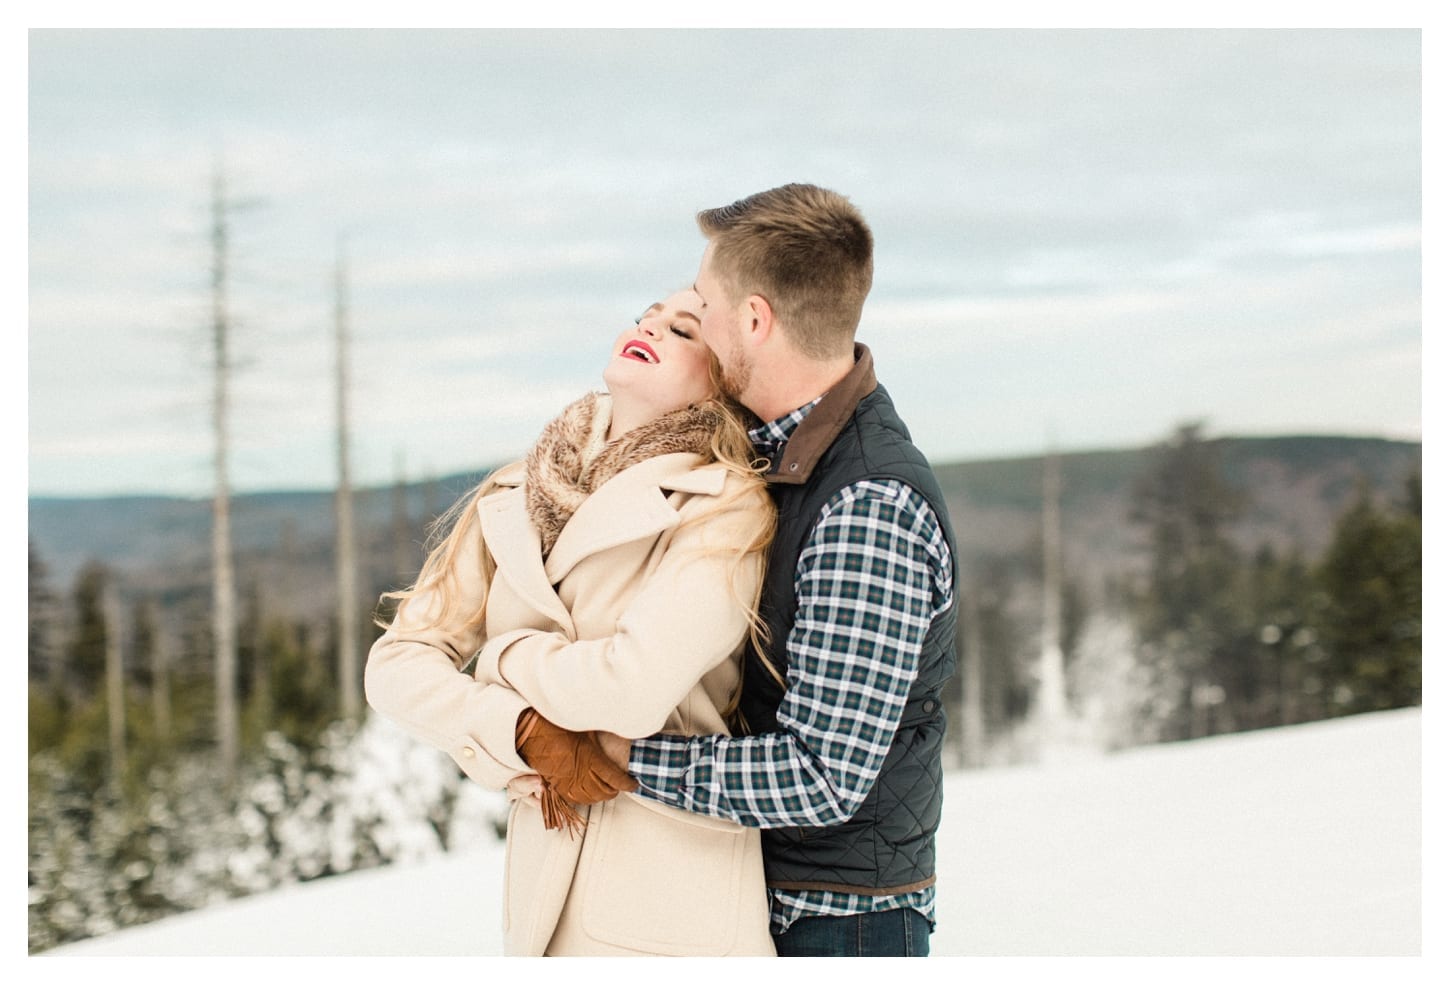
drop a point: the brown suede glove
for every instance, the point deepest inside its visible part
(572, 765)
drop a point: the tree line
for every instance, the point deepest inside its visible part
(1203, 634)
(1212, 636)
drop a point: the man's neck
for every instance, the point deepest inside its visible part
(795, 385)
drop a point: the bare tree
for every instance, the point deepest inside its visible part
(404, 556)
(972, 737)
(115, 683)
(349, 686)
(224, 621)
(1051, 691)
(162, 640)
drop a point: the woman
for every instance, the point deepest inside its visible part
(607, 582)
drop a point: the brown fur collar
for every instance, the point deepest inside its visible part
(572, 459)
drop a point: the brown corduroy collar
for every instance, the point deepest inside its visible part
(815, 434)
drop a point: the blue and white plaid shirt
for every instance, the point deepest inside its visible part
(875, 571)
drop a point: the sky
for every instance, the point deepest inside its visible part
(1083, 238)
(1299, 842)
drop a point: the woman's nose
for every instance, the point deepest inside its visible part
(650, 329)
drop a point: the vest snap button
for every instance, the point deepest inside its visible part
(795, 466)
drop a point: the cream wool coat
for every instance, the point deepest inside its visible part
(629, 626)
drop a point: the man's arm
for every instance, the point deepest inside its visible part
(874, 573)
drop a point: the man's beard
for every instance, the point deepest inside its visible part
(734, 371)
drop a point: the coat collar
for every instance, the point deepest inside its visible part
(632, 505)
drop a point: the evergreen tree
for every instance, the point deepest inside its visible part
(1188, 619)
(1269, 683)
(44, 664)
(302, 699)
(1371, 579)
(143, 642)
(86, 653)
(1008, 657)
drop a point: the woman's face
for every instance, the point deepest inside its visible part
(662, 361)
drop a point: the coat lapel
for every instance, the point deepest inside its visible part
(630, 506)
(514, 543)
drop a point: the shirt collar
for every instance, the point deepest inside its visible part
(773, 434)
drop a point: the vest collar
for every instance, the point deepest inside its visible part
(821, 427)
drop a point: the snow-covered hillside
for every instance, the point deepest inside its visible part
(1296, 841)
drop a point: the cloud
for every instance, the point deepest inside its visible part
(1109, 226)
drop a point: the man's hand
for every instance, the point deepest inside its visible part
(572, 763)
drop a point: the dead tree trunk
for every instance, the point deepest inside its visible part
(161, 643)
(224, 634)
(349, 684)
(1052, 689)
(115, 684)
(973, 734)
(405, 560)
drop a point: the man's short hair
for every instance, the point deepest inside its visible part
(807, 251)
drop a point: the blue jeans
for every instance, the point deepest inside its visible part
(890, 933)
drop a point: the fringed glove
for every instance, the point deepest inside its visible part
(573, 766)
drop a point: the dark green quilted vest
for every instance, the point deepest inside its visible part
(889, 845)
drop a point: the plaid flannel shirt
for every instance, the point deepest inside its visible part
(875, 571)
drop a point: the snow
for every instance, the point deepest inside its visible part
(1301, 841)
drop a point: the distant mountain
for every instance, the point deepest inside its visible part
(1296, 488)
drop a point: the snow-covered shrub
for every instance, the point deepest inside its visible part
(365, 795)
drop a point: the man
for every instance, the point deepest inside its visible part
(841, 767)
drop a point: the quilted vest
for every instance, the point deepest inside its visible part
(889, 846)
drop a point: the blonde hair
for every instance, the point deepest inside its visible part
(807, 251)
(730, 446)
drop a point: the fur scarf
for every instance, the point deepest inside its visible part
(571, 459)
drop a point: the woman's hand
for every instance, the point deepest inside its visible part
(525, 785)
(572, 763)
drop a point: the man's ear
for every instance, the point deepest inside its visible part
(762, 325)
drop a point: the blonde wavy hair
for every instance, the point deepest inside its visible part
(730, 446)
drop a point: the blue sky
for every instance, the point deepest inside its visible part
(1082, 236)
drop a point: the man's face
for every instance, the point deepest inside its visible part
(720, 327)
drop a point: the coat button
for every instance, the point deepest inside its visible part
(467, 752)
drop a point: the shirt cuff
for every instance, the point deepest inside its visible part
(659, 763)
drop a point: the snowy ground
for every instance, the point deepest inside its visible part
(1303, 841)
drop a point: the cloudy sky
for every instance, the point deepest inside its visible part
(1083, 237)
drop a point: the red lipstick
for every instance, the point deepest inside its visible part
(635, 349)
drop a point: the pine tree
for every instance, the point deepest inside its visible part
(44, 661)
(86, 653)
(1270, 684)
(1371, 579)
(1187, 616)
(151, 645)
